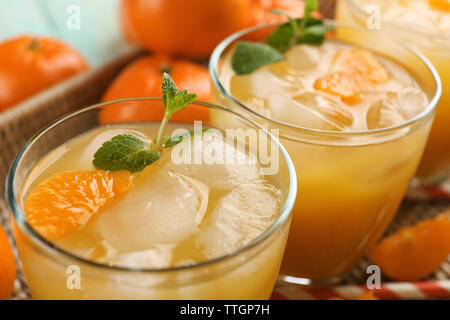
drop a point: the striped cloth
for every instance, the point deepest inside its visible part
(395, 290)
(438, 192)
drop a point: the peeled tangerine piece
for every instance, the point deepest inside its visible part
(68, 200)
(442, 5)
(164, 208)
(98, 140)
(211, 150)
(352, 72)
(312, 110)
(239, 217)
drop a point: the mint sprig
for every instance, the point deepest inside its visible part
(170, 141)
(128, 152)
(250, 56)
(174, 101)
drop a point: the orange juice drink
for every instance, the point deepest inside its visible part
(355, 120)
(424, 24)
(173, 230)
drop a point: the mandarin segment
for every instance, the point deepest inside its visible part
(441, 5)
(415, 252)
(353, 71)
(67, 201)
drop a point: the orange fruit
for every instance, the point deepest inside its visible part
(367, 296)
(261, 12)
(29, 65)
(352, 72)
(189, 28)
(415, 252)
(363, 296)
(143, 78)
(66, 201)
(442, 5)
(7, 267)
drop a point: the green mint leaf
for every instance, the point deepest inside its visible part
(181, 100)
(169, 89)
(279, 12)
(250, 56)
(281, 38)
(170, 141)
(125, 152)
(310, 6)
(314, 34)
(173, 99)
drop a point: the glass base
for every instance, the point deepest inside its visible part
(290, 281)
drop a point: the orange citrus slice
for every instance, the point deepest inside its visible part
(442, 5)
(352, 72)
(369, 295)
(415, 252)
(67, 201)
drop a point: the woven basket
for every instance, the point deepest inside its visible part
(19, 124)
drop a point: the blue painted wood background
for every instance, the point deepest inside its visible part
(99, 38)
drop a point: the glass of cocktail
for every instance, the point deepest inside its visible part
(425, 24)
(174, 230)
(355, 118)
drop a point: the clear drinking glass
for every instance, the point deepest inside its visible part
(352, 183)
(435, 164)
(248, 273)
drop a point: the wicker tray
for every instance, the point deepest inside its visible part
(18, 124)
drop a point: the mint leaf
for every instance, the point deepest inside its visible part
(181, 100)
(286, 35)
(250, 56)
(125, 152)
(310, 6)
(281, 38)
(170, 141)
(169, 89)
(173, 99)
(314, 34)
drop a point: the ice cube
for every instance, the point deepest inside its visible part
(303, 57)
(239, 217)
(156, 257)
(383, 113)
(263, 82)
(213, 168)
(163, 207)
(312, 110)
(88, 154)
(412, 101)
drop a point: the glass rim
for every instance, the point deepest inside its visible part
(226, 43)
(418, 31)
(20, 219)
